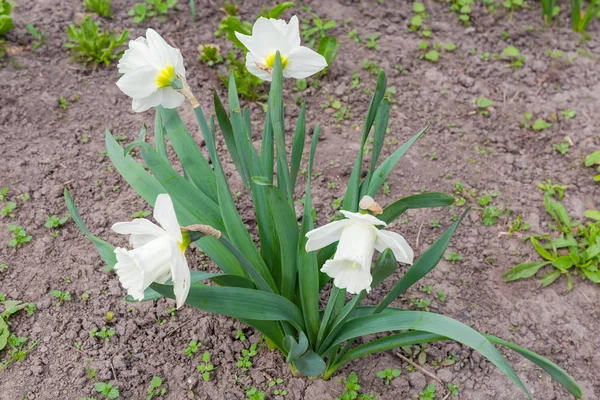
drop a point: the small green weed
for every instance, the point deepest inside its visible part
(88, 46)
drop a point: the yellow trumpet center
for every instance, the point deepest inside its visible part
(166, 76)
(270, 61)
(186, 240)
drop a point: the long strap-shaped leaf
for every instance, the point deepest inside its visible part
(381, 124)
(275, 113)
(298, 145)
(386, 167)
(227, 131)
(308, 270)
(353, 190)
(421, 200)
(149, 188)
(433, 323)
(240, 303)
(106, 250)
(192, 159)
(426, 262)
(419, 337)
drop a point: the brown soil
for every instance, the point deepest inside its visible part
(43, 150)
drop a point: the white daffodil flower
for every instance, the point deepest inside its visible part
(150, 67)
(157, 255)
(358, 239)
(272, 35)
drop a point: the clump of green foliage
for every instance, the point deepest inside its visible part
(575, 251)
(88, 46)
(6, 22)
(107, 390)
(100, 7)
(17, 351)
(19, 236)
(388, 374)
(151, 9)
(206, 367)
(156, 388)
(353, 389)
(581, 19)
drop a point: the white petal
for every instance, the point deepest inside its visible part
(303, 62)
(171, 98)
(395, 242)
(292, 35)
(138, 268)
(134, 57)
(145, 103)
(130, 274)
(348, 276)
(364, 218)
(141, 230)
(140, 82)
(245, 39)
(325, 235)
(255, 69)
(163, 51)
(280, 25)
(357, 244)
(181, 275)
(164, 213)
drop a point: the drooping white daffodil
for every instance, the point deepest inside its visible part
(272, 35)
(150, 67)
(157, 255)
(358, 238)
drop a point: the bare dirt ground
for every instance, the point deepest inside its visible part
(43, 149)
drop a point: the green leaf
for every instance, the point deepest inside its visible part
(422, 266)
(308, 273)
(328, 47)
(484, 102)
(240, 303)
(422, 200)
(433, 323)
(386, 167)
(298, 145)
(385, 266)
(310, 364)
(4, 333)
(511, 51)
(192, 160)
(550, 277)
(295, 348)
(592, 159)
(286, 228)
(276, 114)
(353, 189)
(227, 131)
(106, 250)
(432, 56)
(541, 251)
(381, 124)
(562, 262)
(418, 337)
(592, 214)
(524, 270)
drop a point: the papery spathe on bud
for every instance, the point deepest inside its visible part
(272, 35)
(157, 255)
(151, 67)
(358, 238)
